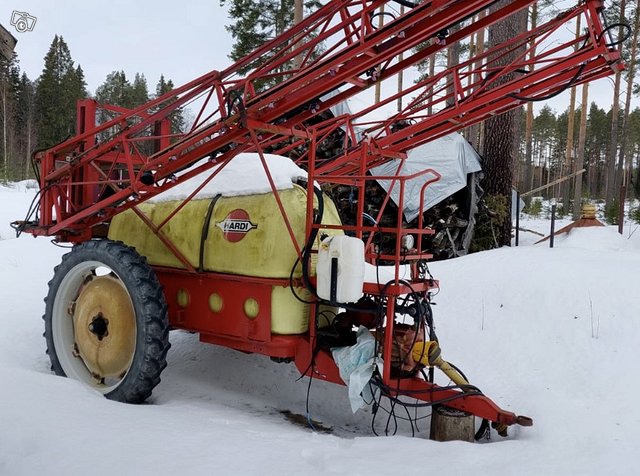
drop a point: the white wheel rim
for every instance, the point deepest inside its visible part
(62, 325)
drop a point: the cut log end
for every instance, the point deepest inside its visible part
(448, 424)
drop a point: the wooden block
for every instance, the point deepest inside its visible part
(448, 424)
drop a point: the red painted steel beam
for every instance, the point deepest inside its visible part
(77, 212)
(316, 77)
(550, 71)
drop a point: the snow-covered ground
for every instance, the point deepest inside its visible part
(548, 333)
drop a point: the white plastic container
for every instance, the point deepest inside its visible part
(346, 253)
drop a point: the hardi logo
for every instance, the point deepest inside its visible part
(236, 225)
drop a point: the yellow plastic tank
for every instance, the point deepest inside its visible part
(246, 236)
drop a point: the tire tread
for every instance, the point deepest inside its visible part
(151, 314)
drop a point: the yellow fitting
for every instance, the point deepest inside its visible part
(424, 352)
(428, 354)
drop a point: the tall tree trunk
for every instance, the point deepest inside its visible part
(501, 143)
(432, 73)
(621, 178)
(615, 110)
(528, 132)
(590, 173)
(582, 138)
(378, 85)
(298, 13)
(472, 53)
(401, 73)
(453, 59)
(27, 158)
(568, 153)
(476, 132)
(5, 118)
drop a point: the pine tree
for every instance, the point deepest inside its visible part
(59, 87)
(528, 154)
(163, 86)
(9, 84)
(544, 142)
(117, 90)
(25, 118)
(501, 132)
(139, 90)
(625, 161)
(596, 146)
(634, 137)
(580, 156)
(611, 197)
(177, 118)
(255, 22)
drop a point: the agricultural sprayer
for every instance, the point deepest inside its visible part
(279, 271)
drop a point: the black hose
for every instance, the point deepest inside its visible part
(205, 232)
(552, 95)
(306, 251)
(406, 3)
(619, 41)
(34, 167)
(19, 227)
(482, 430)
(372, 16)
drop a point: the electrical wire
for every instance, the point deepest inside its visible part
(395, 402)
(33, 209)
(309, 420)
(293, 290)
(55, 242)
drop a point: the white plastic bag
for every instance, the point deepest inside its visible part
(356, 364)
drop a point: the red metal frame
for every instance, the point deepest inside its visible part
(102, 171)
(468, 93)
(229, 102)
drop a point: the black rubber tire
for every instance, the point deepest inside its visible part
(149, 305)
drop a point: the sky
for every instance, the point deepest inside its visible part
(181, 40)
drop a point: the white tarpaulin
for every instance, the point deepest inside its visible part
(451, 156)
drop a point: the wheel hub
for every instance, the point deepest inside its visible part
(99, 326)
(105, 327)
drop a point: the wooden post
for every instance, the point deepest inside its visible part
(623, 195)
(553, 225)
(448, 424)
(517, 218)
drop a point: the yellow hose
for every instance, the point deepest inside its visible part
(428, 354)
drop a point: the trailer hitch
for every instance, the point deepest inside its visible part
(429, 354)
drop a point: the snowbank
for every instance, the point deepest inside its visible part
(549, 333)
